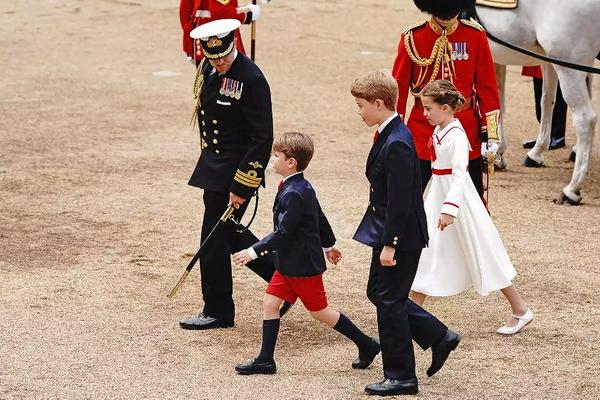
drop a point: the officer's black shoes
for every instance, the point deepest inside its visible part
(367, 355)
(252, 367)
(285, 307)
(441, 351)
(554, 144)
(392, 387)
(201, 322)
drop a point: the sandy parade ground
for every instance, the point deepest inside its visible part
(97, 221)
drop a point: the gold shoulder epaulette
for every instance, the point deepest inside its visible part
(472, 23)
(413, 26)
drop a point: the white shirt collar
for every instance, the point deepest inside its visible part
(289, 176)
(454, 124)
(386, 122)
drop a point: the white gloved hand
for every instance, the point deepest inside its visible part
(489, 147)
(255, 9)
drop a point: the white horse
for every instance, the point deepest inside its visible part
(563, 30)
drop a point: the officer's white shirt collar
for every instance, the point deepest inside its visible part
(386, 122)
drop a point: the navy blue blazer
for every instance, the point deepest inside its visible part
(395, 216)
(301, 230)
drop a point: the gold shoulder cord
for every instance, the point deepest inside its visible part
(440, 55)
(198, 81)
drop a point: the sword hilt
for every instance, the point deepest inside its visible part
(228, 213)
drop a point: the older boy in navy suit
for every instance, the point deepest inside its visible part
(302, 233)
(395, 226)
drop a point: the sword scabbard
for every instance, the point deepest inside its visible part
(224, 218)
(179, 283)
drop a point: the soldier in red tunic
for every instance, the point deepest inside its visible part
(193, 13)
(446, 47)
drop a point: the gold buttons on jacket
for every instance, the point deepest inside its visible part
(395, 240)
(215, 121)
(217, 151)
(373, 208)
(216, 132)
(202, 112)
(215, 141)
(203, 133)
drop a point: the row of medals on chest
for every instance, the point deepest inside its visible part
(231, 88)
(459, 51)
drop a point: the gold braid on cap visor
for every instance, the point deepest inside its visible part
(219, 55)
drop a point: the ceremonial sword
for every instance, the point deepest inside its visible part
(224, 218)
(253, 38)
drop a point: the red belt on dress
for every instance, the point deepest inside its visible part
(443, 171)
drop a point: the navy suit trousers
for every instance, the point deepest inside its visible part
(399, 319)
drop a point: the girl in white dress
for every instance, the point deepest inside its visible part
(465, 249)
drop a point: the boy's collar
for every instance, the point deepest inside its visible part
(294, 174)
(385, 123)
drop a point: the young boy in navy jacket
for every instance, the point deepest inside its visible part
(395, 227)
(302, 234)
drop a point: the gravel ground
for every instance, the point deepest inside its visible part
(97, 221)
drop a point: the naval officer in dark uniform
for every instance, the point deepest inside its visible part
(236, 132)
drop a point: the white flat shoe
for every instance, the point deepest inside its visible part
(523, 320)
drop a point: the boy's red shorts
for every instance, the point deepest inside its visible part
(309, 289)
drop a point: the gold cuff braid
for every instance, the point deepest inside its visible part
(491, 121)
(249, 178)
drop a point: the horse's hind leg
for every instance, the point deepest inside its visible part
(535, 157)
(576, 94)
(501, 79)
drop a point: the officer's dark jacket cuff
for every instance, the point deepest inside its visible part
(245, 183)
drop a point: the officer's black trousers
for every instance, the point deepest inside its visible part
(399, 319)
(475, 170)
(215, 257)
